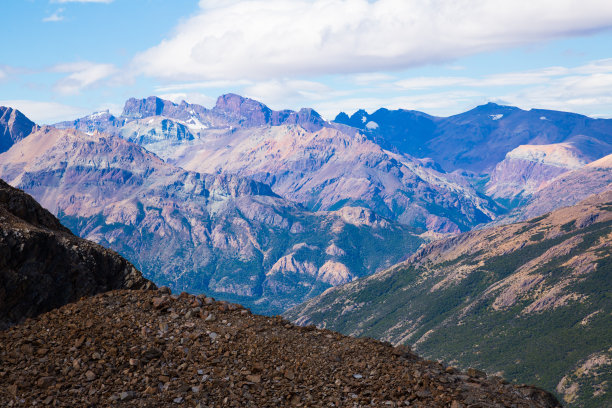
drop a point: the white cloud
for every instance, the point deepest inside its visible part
(2, 74)
(201, 85)
(82, 75)
(263, 39)
(574, 93)
(45, 112)
(371, 77)
(282, 93)
(55, 17)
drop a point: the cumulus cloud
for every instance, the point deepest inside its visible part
(44, 112)
(263, 39)
(82, 75)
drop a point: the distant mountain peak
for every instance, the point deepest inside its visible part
(494, 107)
(142, 108)
(14, 126)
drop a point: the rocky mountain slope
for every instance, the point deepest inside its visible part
(14, 126)
(564, 190)
(44, 266)
(530, 300)
(321, 165)
(478, 139)
(528, 167)
(144, 348)
(222, 234)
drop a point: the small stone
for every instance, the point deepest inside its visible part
(210, 318)
(161, 303)
(45, 382)
(150, 390)
(254, 378)
(178, 400)
(213, 336)
(472, 372)
(289, 375)
(90, 375)
(165, 290)
(358, 376)
(127, 395)
(134, 362)
(195, 389)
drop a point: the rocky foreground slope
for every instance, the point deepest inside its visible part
(146, 348)
(43, 266)
(529, 300)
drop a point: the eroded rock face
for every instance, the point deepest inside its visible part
(153, 349)
(44, 266)
(528, 167)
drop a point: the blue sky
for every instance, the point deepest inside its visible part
(63, 59)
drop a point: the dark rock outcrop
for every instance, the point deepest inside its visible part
(44, 266)
(14, 126)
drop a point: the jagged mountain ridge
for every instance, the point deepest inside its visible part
(231, 110)
(222, 234)
(318, 164)
(478, 139)
(44, 266)
(529, 299)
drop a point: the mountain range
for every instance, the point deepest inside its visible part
(220, 234)
(269, 208)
